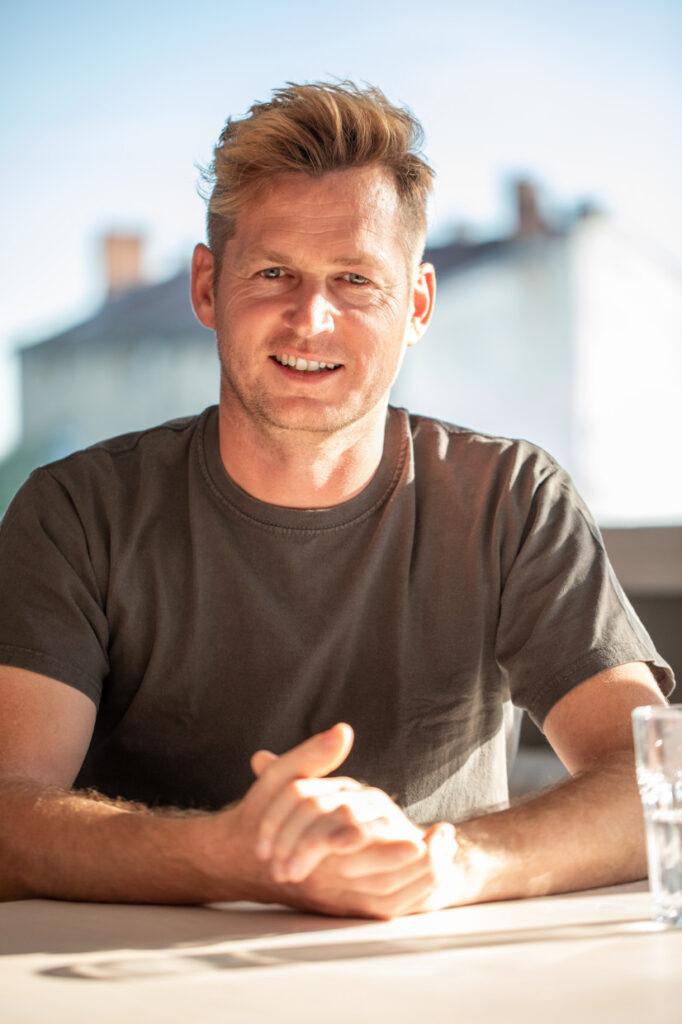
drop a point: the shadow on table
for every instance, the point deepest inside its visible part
(46, 926)
(126, 969)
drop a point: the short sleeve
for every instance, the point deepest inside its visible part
(52, 618)
(563, 615)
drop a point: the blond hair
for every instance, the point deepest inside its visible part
(313, 129)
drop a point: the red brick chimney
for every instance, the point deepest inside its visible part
(529, 220)
(122, 263)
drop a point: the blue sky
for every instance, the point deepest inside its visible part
(108, 109)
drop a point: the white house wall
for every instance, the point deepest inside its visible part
(497, 356)
(74, 396)
(628, 351)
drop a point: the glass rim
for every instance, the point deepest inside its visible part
(647, 711)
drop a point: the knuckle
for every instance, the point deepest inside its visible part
(381, 799)
(294, 789)
(315, 885)
(346, 816)
(311, 804)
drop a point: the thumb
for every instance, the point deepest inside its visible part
(323, 752)
(260, 761)
(441, 840)
(314, 758)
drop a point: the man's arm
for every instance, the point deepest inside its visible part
(586, 832)
(58, 843)
(68, 845)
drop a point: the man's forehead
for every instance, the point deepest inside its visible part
(363, 186)
(354, 212)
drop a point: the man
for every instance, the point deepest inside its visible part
(300, 558)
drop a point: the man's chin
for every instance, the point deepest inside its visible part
(330, 423)
(311, 417)
(308, 415)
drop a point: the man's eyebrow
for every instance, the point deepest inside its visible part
(359, 259)
(270, 258)
(263, 257)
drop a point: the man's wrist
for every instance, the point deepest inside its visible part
(219, 847)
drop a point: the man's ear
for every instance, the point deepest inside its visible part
(203, 298)
(423, 299)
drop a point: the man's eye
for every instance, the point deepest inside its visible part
(356, 278)
(272, 272)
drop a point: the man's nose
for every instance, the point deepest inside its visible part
(311, 312)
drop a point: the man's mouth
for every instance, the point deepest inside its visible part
(304, 365)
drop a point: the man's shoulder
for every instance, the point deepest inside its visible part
(163, 442)
(117, 473)
(458, 447)
(172, 434)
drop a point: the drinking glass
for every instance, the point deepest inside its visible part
(658, 752)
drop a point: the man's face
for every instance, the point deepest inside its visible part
(315, 302)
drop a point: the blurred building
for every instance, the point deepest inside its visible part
(141, 359)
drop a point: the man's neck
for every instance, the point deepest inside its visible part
(301, 469)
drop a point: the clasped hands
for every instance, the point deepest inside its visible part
(337, 846)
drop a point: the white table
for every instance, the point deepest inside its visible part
(580, 958)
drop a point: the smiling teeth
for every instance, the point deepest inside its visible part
(304, 365)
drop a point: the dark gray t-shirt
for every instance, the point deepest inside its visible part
(205, 624)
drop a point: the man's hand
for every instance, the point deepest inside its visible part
(307, 819)
(336, 845)
(378, 882)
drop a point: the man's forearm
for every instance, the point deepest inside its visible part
(68, 845)
(585, 833)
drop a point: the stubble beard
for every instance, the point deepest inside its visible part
(266, 414)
